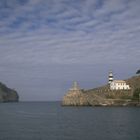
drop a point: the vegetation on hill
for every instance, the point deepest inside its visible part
(7, 94)
(138, 71)
(136, 94)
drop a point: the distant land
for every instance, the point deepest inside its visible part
(104, 96)
(7, 94)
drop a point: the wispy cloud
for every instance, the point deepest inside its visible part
(69, 32)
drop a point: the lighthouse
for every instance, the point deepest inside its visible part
(110, 77)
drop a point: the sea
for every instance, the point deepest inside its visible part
(51, 121)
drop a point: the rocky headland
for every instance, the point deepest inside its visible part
(7, 94)
(103, 96)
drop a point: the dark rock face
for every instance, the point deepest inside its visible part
(7, 94)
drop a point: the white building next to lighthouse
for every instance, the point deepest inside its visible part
(117, 84)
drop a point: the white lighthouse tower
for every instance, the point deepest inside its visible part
(110, 77)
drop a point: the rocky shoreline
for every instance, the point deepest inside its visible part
(82, 99)
(102, 96)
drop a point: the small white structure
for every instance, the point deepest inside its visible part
(75, 87)
(119, 85)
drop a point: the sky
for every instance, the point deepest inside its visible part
(45, 45)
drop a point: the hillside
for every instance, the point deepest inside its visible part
(7, 94)
(134, 82)
(103, 96)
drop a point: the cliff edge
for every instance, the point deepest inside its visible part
(7, 94)
(103, 96)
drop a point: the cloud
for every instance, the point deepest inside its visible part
(39, 33)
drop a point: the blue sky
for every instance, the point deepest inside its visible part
(46, 44)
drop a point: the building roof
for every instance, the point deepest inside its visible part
(119, 81)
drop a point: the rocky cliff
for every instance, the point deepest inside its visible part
(75, 98)
(7, 94)
(103, 96)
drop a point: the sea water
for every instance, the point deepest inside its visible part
(51, 121)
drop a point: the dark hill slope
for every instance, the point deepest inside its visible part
(7, 94)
